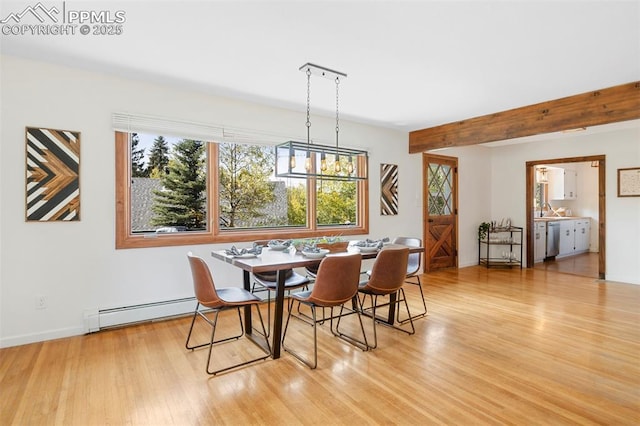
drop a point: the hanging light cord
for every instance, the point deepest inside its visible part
(308, 106)
(337, 116)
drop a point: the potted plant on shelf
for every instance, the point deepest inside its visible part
(482, 230)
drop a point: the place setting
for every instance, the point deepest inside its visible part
(244, 253)
(279, 245)
(369, 245)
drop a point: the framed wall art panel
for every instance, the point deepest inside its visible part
(53, 175)
(388, 189)
(629, 182)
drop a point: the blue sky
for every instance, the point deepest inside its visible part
(146, 142)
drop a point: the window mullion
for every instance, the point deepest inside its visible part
(312, 211)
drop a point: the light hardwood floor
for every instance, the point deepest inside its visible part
(585, 264)
(524, 347)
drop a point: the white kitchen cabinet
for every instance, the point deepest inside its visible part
(575, 236)
(582, 235)
(567, 237)
(540, 241)
(562, 184)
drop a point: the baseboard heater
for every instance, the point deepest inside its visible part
(101, 319)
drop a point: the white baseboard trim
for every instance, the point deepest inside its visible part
(40, 337)
(99, 319)
(116, 317)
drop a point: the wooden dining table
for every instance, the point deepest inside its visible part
(280, 261)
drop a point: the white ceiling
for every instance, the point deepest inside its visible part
(410, 65)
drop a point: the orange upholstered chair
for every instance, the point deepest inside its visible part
(218, 300)
(336, 284)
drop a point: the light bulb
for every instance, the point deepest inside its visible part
(292, 161)
(323, 162)
(307, 163)
(337, 162)
(350, 166)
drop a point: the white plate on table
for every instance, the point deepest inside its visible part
(278, 247)
(245, 256)
(315, 255)
(367, 249)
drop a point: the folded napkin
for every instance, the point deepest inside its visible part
(371, 243)
(285, 243)
(310, 248)
(234, 251)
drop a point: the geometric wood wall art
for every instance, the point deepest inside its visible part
(53, 184)
(388, 189)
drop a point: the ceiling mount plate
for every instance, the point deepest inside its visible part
(322, 71)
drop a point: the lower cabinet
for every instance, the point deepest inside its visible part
(567, 237)
(540, 241)
(575, 236)
(583, 235)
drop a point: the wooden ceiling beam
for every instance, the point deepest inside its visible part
(610, 105)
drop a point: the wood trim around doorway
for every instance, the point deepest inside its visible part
(602, 196)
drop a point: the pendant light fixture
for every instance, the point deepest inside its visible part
(315, 155)
(542, 175)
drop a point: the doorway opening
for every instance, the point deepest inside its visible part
(539, 209)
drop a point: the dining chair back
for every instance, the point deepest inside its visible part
(389, 271)
(203, 285)
(336, 280)
(218, 300)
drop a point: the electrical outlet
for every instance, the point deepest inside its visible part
(41, 302)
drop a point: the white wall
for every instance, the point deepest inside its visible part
(474, 197)
(75, 265)
(505, 191)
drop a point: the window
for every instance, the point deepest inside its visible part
(541, 196)
(181, 191)
(440, 178)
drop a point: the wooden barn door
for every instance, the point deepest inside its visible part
(440, 195)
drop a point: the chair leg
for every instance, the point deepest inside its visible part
(424, 304)
(269, 307)
(410, 318)
(199, 313)
(213, 323)
(297, 355)
(362, 344)
(304, 315)
(372, 308)
(267, 351)
(374, 304)
(193, 320)
(268, 314)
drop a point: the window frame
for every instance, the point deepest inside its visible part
(125, 238)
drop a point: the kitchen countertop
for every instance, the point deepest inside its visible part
(557, 218)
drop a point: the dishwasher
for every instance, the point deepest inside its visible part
(553, 239)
